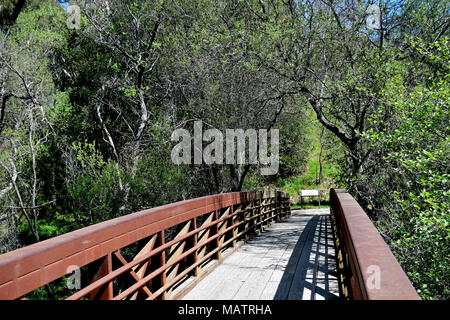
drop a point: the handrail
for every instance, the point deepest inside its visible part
(175, 247)
(367, 268)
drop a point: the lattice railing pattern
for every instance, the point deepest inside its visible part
(144, 255)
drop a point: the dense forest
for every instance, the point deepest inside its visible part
(92, 91)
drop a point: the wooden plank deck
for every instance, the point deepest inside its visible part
(292, 260)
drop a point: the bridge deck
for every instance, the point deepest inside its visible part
(292, 260)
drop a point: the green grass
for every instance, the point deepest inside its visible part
(313, 205)
(308, 180)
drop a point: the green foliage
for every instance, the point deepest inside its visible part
(295, 146)
(308, 168)
(415, 144)
(88, 156)
(95, 198)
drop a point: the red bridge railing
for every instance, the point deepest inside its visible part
(367, 268)
(144, 255)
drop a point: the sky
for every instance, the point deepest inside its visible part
(64, 4)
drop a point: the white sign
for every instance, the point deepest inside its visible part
(306, 193)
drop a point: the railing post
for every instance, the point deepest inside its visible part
(277, 210)
(247, 217)
(255, 213)
(271, 211)
(274, 210)
(261, 213)
(233, 230)
(162, 262)
(288, 207)
(216, 228)
(194, 243)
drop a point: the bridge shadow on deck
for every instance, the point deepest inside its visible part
(310, 273)
(293, 259)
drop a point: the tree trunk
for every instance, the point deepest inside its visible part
(34, 185)
(320, 156)
(234, 177)
(237, 176)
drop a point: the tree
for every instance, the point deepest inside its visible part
(9, 11)
(412, 149)
(326, 53)
(27, 96)
(217, 79)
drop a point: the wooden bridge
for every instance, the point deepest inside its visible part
(291, 260)
(243, 245)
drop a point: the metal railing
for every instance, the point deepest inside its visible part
(143, 255)
(367, 268)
